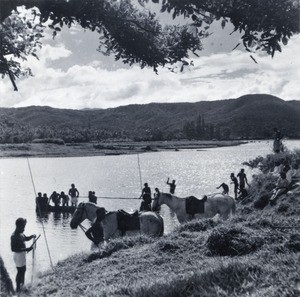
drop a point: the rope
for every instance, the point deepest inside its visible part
(40, 213)
(107, 197)
(140, 174)
(33, 260)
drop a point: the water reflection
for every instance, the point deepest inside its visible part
(42, 216)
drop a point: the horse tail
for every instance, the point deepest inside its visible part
(162, 230)
(233, 207)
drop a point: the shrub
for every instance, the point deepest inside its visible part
(262, 202)
(197, 225)
(232, 241)
(49, 140)
(293, 244)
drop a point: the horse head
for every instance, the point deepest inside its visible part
(158, 200)
(79, 215)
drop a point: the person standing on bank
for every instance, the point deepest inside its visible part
(235, 183)
(277, 144)
(172, 185)
(242, 179)
(19, 249)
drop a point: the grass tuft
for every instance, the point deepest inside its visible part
(232, 241)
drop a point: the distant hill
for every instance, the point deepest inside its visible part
(249, 116)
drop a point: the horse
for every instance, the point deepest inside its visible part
(213, 204)
(149, 222)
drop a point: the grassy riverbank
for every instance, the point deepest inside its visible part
(105, 148)
(256, 253)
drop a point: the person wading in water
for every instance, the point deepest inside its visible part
(73, 192)
(146, 195)
(172, 185)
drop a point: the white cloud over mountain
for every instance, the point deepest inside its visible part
(91, 84)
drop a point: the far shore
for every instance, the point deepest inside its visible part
(44, 150)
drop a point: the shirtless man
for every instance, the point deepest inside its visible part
(236, 184)
(73, 192)
(19, 249)
(172, 186)
(243, 179)
(225, 188)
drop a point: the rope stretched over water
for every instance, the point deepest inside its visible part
(107, 197)
(140, 174)
(43, 227)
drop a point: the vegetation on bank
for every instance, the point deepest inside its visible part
(56, 148)
(255, 253)
(6, 286)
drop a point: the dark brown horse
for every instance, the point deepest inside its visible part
(150, 223)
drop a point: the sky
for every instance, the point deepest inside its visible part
(71, 73)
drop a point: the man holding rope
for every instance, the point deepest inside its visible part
(19, 249)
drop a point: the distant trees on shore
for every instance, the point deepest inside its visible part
(194, 129)
(204, 131)
(191, 130)
(25, 134)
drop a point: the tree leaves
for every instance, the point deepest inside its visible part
(135, 35)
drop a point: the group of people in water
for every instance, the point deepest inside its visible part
(63, 199)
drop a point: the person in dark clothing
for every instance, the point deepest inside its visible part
(235, 183)
(172, 185)
(41, 202)
(18, 247)
(277, 144)
(95, 233)
(64, 199)
(92, 197)
(55, 198)
(242, 194)
(225, 188)
(146, 195)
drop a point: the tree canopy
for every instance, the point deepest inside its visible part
(133, 34)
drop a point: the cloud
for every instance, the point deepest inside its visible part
(214, 77)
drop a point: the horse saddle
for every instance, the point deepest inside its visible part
(127, 221)
(194, 205)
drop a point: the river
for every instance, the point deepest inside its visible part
(197, 172)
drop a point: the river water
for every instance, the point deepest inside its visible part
(197, 172)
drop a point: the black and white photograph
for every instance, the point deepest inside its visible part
(150, 148)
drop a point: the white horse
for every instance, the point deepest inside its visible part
(215, 204)
(150, 223)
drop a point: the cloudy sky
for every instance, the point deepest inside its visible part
(72, 74)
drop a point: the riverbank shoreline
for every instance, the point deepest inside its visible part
(44, 150)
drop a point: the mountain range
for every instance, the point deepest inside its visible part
(249, 116)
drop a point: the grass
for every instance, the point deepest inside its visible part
(6, 286)
(255, 253)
